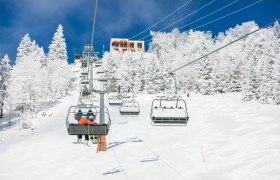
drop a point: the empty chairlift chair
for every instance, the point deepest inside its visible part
(86, 98)
(100, 71)
(84, 74)
(98, 63)
(74, 115)
(84, 64)
(130, 108)
(84, 81)
(116, 101)
(169, 111)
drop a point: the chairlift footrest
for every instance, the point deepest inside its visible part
(130, 113)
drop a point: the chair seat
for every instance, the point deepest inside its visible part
(98, 129)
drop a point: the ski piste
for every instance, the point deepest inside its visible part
(196, 105)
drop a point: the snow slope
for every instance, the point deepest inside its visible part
(224, 139)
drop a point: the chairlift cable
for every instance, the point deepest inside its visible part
(93, 24)
(252, 4)
(183, 17)
(210, 22)
(216, 50)
(209, 14)
(186, 3)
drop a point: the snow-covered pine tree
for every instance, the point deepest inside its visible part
(139, 68)
(265, 65)
(185, 54)
(27, 87)
(251, 79)
(110, 63)
(128, 72)
(24, 48)
(152, 70)
(276, 65)
(27, 84)
(16, 93)
(5, 69)
(228, 62)
(42, 56)
(141, 73)
(57, 67)
(204, 68)
(164, 46)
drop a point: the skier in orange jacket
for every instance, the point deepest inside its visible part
(84, 121)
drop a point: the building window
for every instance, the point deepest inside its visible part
(115, 44)
(131, 45)
(139, 45)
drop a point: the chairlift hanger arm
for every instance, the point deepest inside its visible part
(106, 79)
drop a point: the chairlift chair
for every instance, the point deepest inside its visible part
(86, 96)
(85, 93)
(130, 108)
(85, 82)
(85, 100)
(97, 63)
(169, 111)
(74, 128)
(84, 73)
(127, 95)
(84, 64)
(100, 71)
(116, 101)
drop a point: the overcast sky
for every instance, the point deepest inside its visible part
(115, 18)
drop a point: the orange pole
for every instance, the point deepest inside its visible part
(105, 143)
(98, 144)
(103, 138)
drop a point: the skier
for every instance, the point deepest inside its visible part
(89, 113)
(93, 137)
(84, 121)
(78, 115)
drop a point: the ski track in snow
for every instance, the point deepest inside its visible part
(239, 141)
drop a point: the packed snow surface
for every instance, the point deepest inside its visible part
(225, 138)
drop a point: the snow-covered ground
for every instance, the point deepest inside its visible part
(225, 138)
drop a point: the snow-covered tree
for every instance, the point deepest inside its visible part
(201, 45)
(5, 69)
(152, 85)
(276, 65)
(58, 70)
(251, 81)
(27, 85)
(111, 62)
(24, 48)
(265, 65)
